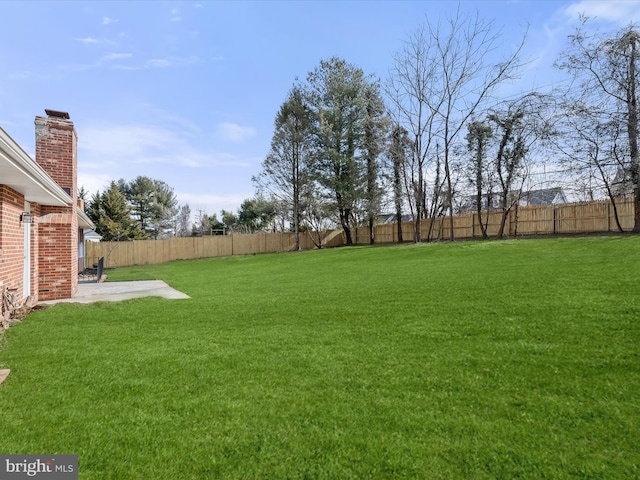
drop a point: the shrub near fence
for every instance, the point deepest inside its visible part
(143, 252)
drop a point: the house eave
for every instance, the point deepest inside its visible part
(21, 173)
(83, 220)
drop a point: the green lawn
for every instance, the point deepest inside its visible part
(513, 359)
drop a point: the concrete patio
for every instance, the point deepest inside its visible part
(117, 291)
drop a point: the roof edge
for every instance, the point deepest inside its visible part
(30, 168)
(83, 219)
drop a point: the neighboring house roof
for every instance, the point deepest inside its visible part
(92, 236)
(544, 196)
(21, 173)
(622, 183)
(469, 203)
(392, 218)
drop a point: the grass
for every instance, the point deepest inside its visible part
(514, 359)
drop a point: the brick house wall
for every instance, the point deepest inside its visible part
(11, 239)
(54, 230)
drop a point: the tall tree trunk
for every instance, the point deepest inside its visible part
(483, 227)
(371, 186)
(447, 173)
(399, 219)
(615, 215)
(612, 198)
(435, 200)
(346, 227)
(449, 196)
(417, 223)
(503, 222)
(505, 214)
(479, 185)
(371, 235)
(633, 132)
(296, 218)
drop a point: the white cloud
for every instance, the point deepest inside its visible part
(87, 40)
(101, 41)
(129, 143)
(107, 20)
(120, 145)
(619, 11)
(158, 63)
(175, 15)
(25, 74)
(233, 132)
(548, 41)
(118, 56)
(109, 152)
(110, 61)
(170, 62)
(93, 182)
(211, 203)
(179, 123)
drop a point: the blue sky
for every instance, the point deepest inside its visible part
(186, 92)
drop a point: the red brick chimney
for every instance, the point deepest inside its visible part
(57, 227)
(56, 144)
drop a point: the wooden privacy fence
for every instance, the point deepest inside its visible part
(143, 252)
(583, 217)
(587, 217)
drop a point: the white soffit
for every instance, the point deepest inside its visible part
(20, 172)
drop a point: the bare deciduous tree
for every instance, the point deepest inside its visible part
(605, 67)
(410, 87)
(440, 79)
(594, 152)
